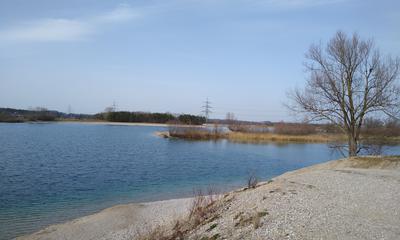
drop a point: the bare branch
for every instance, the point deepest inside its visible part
(348, 80)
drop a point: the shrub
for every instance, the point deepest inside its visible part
(195, 133)
(191, 119)
(202, 209)
(252, 181)
(378, 128)
(294, 128)
(248, 128)
(6, 117)
(202, 206)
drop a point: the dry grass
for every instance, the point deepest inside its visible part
(252, 181)
(299, 129)
(202, 207)
(267, 137)
(273, 137)
(367, 162)
(202, 211)
(246, 137)
(159, 233)
(196, 133)
(252, 218)
(380, 140)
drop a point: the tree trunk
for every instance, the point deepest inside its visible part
(353, 145)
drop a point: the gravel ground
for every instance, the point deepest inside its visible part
(345, 199)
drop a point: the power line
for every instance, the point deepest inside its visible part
(207, 109)
(114, 106)
(69, 111)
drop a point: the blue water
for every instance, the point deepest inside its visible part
(50, 173)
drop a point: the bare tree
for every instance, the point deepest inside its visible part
(349, 80)
(230, 117)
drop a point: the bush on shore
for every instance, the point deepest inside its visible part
(379, 128)
(294, 129)
(249, 128)
(196, 133)
(191, 119)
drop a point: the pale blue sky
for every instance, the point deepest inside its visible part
(169, 55)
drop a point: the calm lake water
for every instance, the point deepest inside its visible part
(50, 173)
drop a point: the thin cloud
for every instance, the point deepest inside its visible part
(304, 3)
(268, 3)
(62, 29)
(122, 13)
(294, 4)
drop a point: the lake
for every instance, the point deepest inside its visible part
(51, 173)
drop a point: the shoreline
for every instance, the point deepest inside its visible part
(93, 123)
(128, 221)
(118, 221)
(116, 123)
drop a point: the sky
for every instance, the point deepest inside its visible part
(171, 55)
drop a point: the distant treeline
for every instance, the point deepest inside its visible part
(17, 115)
(43, 114)
(38, 114)
(239, 122)
(372, 127)
(145, 117)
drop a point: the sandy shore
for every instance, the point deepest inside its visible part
(119, 222)
(344, 199)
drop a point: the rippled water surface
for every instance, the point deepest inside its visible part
(50, 173)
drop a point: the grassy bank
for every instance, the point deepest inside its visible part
(198, 133)
(273, 137)
(195, 133)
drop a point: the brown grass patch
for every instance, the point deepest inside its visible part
(196, 133)
(202, 211)
(273, 137)
(373, 162)
(254, 219)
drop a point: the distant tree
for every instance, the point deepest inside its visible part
(191, 119)
(41, 114)
(349, 80)
(108, 109)
(371, 123)
(40, 109)
(7, 117)
(124, 116)
(107, 113)
(230, 117)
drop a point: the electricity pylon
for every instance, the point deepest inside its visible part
(207, 109)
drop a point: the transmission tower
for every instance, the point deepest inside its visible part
(69, 111)
(207, 109)
(114, 106)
